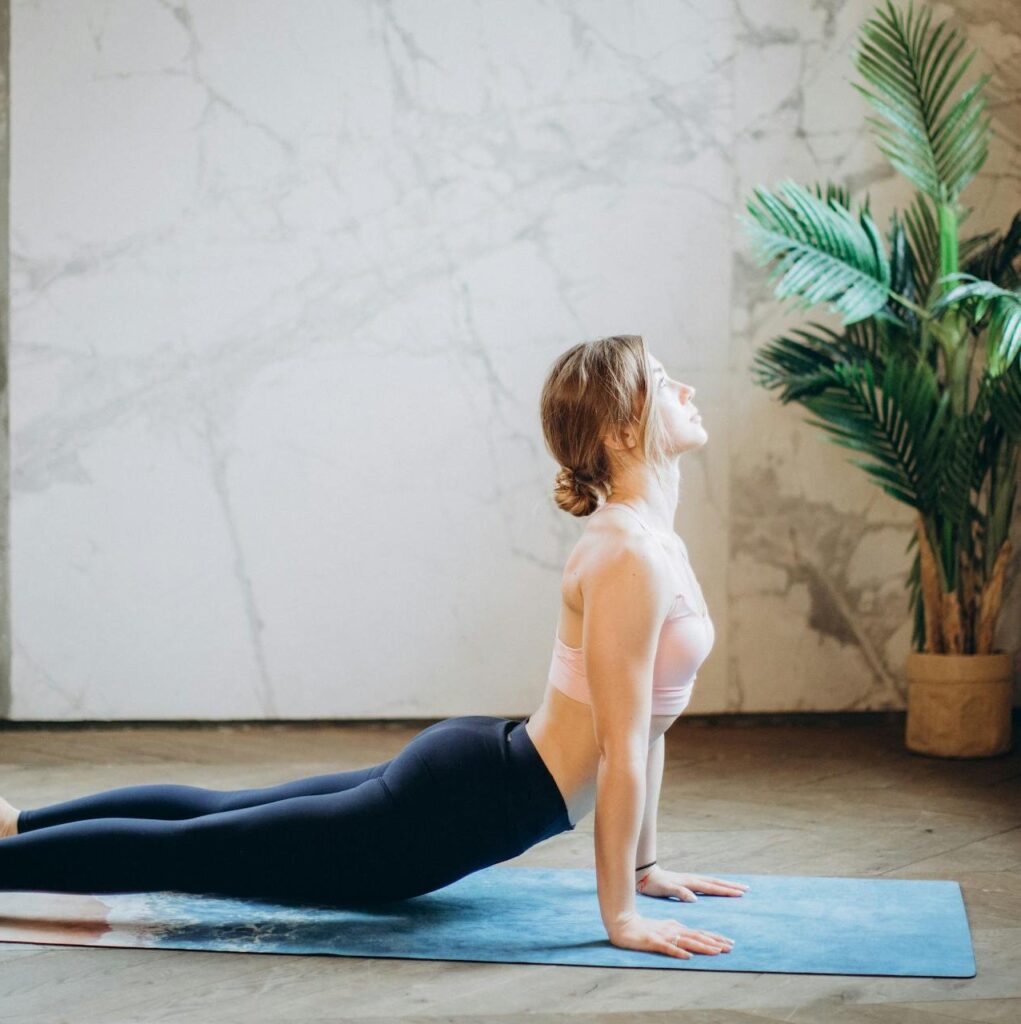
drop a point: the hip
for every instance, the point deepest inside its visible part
(481, 773)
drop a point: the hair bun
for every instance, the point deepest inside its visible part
(575, 491)
(574, 478)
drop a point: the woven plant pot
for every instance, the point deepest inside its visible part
(959, 705)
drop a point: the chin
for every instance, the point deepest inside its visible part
(691, 443)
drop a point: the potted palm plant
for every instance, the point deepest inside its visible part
(924, 375)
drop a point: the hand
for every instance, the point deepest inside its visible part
(670, 937)
(660, 882)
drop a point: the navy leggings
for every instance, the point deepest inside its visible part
(463, 794)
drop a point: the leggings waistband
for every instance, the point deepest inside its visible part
(536, 801)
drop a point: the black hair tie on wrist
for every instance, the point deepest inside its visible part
(644, 866)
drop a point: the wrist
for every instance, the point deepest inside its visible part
(645, 867)
(619, 922)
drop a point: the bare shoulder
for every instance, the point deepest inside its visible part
(625, 560)
(627, 595)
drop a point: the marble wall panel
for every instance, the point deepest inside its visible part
(285, 280)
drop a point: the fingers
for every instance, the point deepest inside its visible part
(712, 939)
(728, 885)
(709, 943)
(676, 939)
(670, 937)
(710, 948)
(721, 887)
(674, 950)
(720, 940)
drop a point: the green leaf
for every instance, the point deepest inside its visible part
(913, 72)
(1004, 338)
(823, 252)
(898, 423)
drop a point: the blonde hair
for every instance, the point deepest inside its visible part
(596, 388)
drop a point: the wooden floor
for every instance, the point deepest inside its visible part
(837, 796)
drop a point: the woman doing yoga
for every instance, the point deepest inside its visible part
(475, 790)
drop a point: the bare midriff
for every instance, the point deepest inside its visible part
(565, 738)
(562, 728)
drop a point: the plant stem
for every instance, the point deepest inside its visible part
(908, 304)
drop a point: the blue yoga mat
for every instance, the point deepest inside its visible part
(785, 924)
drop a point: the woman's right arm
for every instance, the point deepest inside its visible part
(626, 599)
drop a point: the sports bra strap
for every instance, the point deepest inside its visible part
(621, 504)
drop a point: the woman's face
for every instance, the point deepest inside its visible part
(680, 417)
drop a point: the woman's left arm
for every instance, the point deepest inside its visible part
(657, 880)
(646, 850)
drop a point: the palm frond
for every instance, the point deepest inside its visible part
(823, 252)
(898, 426)
(914, 71)
(1004, 337)
(801, 367)
(902, 273)
(923, 234)
(995, 257)
(830, 191)
(976, 297)
(959, 465)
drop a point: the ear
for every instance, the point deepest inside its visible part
(625, 440)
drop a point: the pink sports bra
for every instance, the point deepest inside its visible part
(684, 643)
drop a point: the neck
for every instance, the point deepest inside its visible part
(654, 498)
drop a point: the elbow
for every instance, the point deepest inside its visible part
(625, 758)
(624, 746)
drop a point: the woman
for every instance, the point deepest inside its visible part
(474, 790)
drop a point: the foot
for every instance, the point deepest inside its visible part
(8, 819)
